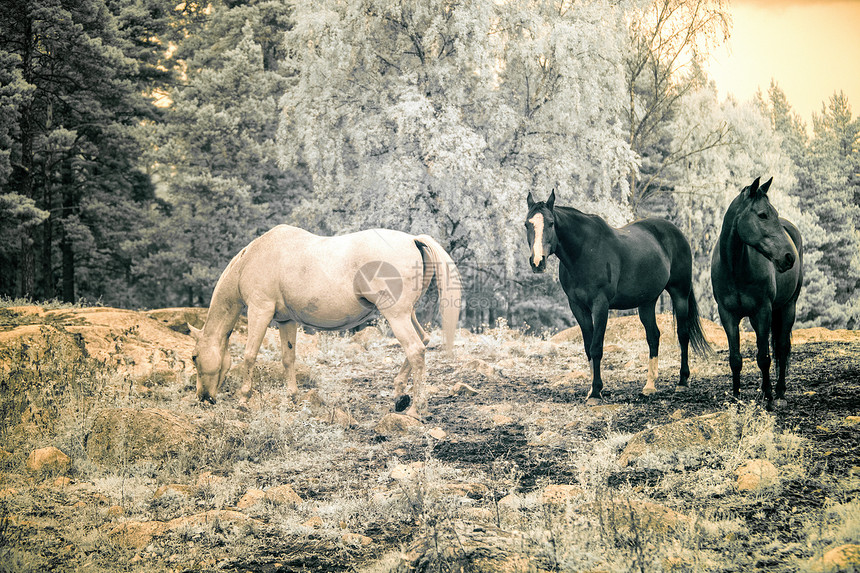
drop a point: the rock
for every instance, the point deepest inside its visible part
(315, 522)
(629, 515)
(62, 481)
(208, 478)
(561, 494)
(48, 459)
(180, 489)
(251, 498)
(463, 546)
(842, 559)
(366, 336)
(356, 539)
(754, 475)
(476, 365)
(463, 389)
(502, 420)
(407, 472)
(339, 418)
(283, 495)
(312, 399)
(470, 490)
(437, 434)
(126, 435)
(396, 424)
(711, 430)
(546, 439)
(115, 511)
(137, 534)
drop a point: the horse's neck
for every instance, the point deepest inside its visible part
(733, 251)
(224, 309)
(573, 230)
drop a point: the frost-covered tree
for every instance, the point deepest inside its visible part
(439, 116)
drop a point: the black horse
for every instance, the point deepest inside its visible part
(603, 268)
(757, 271)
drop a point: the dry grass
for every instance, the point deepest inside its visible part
(365, 497)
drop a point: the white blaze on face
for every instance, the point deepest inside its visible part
(537, 246)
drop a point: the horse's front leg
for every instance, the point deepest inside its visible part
(761, 323)
(652, 334)
(731, 324)
(288, 331)
(783, 321)
(258, 322)
(599, 317)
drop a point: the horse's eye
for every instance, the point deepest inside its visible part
(762, 215)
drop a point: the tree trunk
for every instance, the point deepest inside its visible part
(27, 126)
(67, 248)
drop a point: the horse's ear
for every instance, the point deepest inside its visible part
(754, 187)
(765, 186)
(551, 201)
(530, 200)
(194, 332)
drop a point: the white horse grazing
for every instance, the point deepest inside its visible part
(293, 277)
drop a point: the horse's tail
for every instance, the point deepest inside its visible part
(698, 341)
(438, 262)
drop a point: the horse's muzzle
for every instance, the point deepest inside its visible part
(785, 263)
(538, 268)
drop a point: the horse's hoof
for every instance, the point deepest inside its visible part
(401, 403)
(593, 402)
(648, 391)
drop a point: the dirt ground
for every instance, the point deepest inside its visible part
(537, 387)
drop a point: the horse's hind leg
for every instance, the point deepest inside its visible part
(258, 322)
(652, 335)
(425, 338)
(681, 308)
(288, 332)
(413, 345)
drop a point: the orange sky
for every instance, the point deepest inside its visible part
(811, 48)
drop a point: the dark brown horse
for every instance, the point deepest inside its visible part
(603, 268)
(757, 271)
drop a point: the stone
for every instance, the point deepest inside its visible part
(476, 365)
(841, 559)
(283, 495)
(180, 489)
(367, 336)
(251, 498)
(356, 539)
(478, 547)
(437, 434)
(407, 472)
(127, 435)
(396, 424)
(502, 420)
(754, 475)
(710, 430)
(48, 459)
(315, 522)
(463, 389)
(560, 494)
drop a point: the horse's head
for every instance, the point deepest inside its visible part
(212, 362)
(540, 230)
(758, 226)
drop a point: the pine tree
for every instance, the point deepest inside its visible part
(73, 142)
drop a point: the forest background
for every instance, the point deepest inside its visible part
(143, 143)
